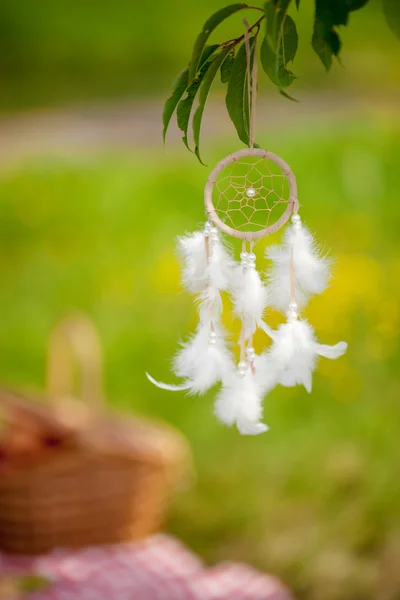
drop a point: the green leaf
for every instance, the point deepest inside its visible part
(205, 33)
(268, 62)
(185, 105)
(237, 101)
(329, 14)
(227, 66)
(326, 42)
(391, 9)
(203, 95)
(289, 40)
(179, 87)
(357, 4)
(279, 46)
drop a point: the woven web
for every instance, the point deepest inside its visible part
(251, 213)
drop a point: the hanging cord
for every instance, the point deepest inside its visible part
(251, 81)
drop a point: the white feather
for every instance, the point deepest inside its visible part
(204, 267)
(219, 265)
(167, 386)
(192, 250)
(294, 352)
(239, 402)
(331, 351)
(203, 364)
(311, 269)
(249, 296)
(266, 373)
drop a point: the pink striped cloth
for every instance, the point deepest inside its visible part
(157, 568)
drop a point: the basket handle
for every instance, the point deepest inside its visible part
(75, 340)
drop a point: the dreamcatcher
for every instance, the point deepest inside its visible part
(249, 195)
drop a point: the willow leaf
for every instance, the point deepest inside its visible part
(329, 14)
(179, 87)
(185, 105)
(237, 101)
(205, 33)
(326, 42)
(227, 66)
(391, 9)
(203, 95)
(279, 46)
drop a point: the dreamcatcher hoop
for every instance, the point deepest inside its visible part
(292, 202)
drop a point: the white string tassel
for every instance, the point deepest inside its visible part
(294, 352)
(311, 269)
(249, 294)
(240, 402)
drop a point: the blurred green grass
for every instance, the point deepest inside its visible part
(60, 53)
(317, 499)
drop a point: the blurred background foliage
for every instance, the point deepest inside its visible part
(317, 499)
(58, 52)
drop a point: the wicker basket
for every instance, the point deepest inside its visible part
(109, 479)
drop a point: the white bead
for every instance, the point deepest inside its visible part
(293, 305)
(296, 219)
(250, 352)
(250, 192)
(242, 368)
(213, 335)
(291, 315)
(252, 257)
(212, 342)
(244, 255)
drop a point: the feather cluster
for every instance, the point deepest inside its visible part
(249, 294)
(311, 268)
(206, 262)
(204, 360)
(298, 271)
(239, 402)
(294, 352)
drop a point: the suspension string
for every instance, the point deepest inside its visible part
(251, 81)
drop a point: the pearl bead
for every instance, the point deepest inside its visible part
(242, 368)
(296, 219)
(213, 335)
(293, 305)
(291, 315)
(244, 255)
(250, 192)
(250, 352)
(212, 341)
